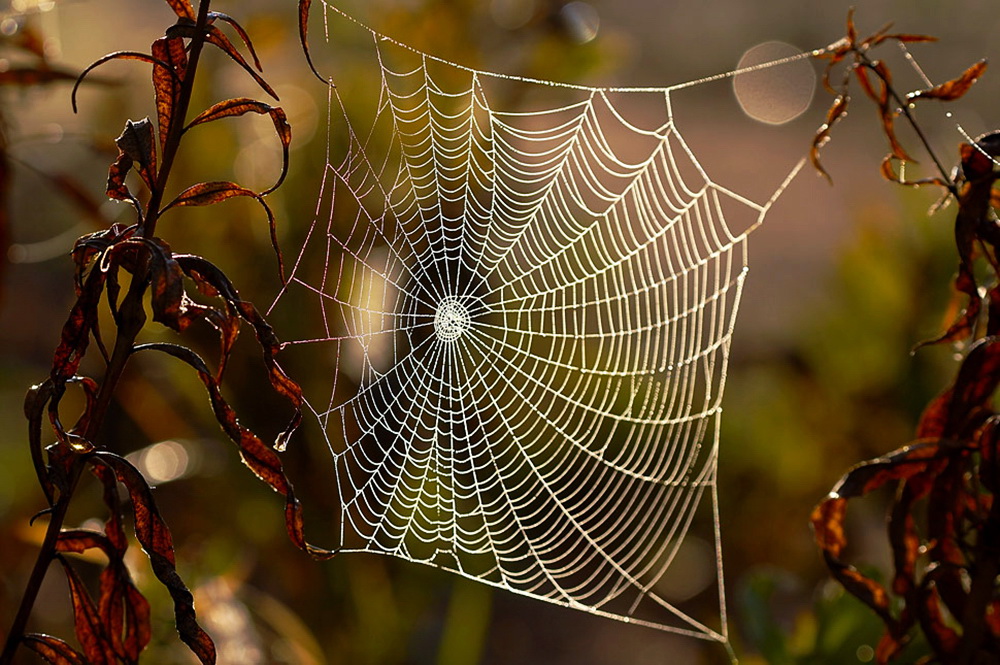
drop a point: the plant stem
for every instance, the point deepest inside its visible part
(904, 106)
(45, 556)
(130, 323)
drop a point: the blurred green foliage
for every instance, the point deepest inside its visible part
(834, 628)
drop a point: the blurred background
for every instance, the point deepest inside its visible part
(844, 281)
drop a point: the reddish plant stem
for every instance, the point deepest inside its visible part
(45, 556)
(131, 320)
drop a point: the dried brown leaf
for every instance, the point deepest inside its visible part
(836, 111)
(828, 524)
(875, 37)
(117, 187)
(864, 588)
(117, 55)
(183, 9)
(35, 402)
(156, 541)
(167, 78)
(208, 193)
(953, 89)
(904, 539)
(304, 6)
(904, 38)
(258, 457)
(90, 389)
(207, 276)
(943, 639)
(889, 173)
(136, 146)
(882, 100)
(963, 326)
(79, 541)
(975, 384)
(890, 645)
(54, 650)
(218, 39)
(900, 464)
(76, 331)
(123, 609)
(240, 106)
(234, 24)
(852, 31)
(167, 297)
(172, 307)
(90, 630)
(230, 108)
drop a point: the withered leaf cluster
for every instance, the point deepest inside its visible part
(122, 268)
(944, 524)
(875, 79)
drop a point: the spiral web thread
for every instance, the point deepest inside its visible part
(526, 324)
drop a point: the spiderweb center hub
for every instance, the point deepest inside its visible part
(451, 319)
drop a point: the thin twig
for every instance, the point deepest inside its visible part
(904, 107)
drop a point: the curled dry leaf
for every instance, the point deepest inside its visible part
(152, 533)
(135, 148)
(76, 331)
(883, 99)
(54, 650)
(836, 111)
(117, 55)
(209, 277)
(217, 38)
(903, 38)
(183, 9)
(234, 24)
(889, 173)
(240, 106)
(258, 457)
(124, 610)
(209, 193)
(964, 326)
(304, 6)
(169, 71)
(34, 411)
(173, 308)
(953, 89)
(90, 630)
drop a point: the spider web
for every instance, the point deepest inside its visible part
(525, 319)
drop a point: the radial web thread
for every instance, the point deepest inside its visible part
(525, 323)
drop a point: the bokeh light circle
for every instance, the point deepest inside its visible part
(778, 94)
